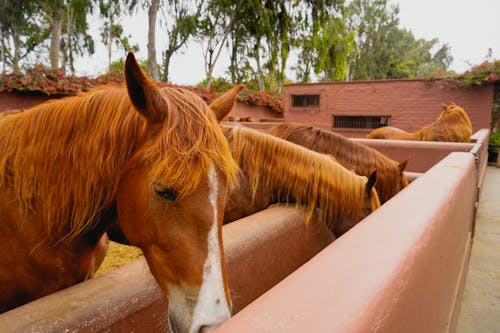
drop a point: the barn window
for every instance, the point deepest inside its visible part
(305, 100)
(369, 122)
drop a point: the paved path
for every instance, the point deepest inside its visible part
(480, 308)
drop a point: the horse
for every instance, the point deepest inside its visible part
(452, 125)
(274, 170)
(385, 132)
(356, 157)
(153, 162)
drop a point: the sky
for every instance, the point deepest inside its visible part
(470, 27)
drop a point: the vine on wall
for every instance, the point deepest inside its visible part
(54, 82)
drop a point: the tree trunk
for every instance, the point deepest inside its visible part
(55, 41)
(209, 69)
(17, 51)
(4, 57)
(152, 64)
(260, 76)
(166, 65)
(110, 41)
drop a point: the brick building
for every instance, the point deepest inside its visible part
(355, 108)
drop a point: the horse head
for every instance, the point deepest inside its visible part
(172, 196)
(370, 203)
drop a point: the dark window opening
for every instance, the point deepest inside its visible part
(369, 122)
(305, 100)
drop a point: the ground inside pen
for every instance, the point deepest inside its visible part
(117, 256)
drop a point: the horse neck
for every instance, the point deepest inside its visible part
(286, 172)
(361, 159)
(63, 159)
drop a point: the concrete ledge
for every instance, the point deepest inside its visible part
(396, 271)
(261, 250)
(421, 155)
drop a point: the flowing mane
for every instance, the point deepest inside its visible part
(452, 125)
(64, 158)
(298, 175)
(359, 158)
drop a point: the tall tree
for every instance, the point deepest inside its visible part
(373, 20)
(154, 6)
(112, 12)
(75, 35)
(21, 32)
(67, 27)
(184, 16)
(213, 32)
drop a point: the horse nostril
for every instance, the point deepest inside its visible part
(207, 329)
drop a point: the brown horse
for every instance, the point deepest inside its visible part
(274, 170)
(356, 157)
(385, 132)
(452, 125)
(155, 162)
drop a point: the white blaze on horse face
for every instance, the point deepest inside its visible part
(212, 308)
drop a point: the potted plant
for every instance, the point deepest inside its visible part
(494, 147)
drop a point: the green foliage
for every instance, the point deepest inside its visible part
(477, 75)
(385, 51)
(486, 72)
(219, 84)
(495, 139)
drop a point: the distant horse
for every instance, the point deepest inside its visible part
(356, 157)
(452, 125)
(385, 132)
(274, 170)
(155, 162)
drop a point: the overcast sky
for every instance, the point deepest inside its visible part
(470, 27)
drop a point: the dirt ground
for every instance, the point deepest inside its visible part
(117, 256)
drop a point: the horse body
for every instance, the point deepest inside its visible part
(385, 132)
(26, 273)
(275, 170)
(358, 158)
(153, 162)
(452, 125)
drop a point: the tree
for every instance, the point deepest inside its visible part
(21, 31)
(152, 63)
(213, 32)
(67, 27)
(372, 20)
(112, 31)
(184, 26)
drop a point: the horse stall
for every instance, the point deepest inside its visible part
(401, 269)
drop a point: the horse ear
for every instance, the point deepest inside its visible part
(371, 181)
(444, 106)
(142, 91)
(225, 103)
(402, 165)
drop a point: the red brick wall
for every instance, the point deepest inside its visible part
(411, 103)
(257, 112)
(18, 100)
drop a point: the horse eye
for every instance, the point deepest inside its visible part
(167, 193)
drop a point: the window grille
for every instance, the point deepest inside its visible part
(368, 122)
(305, 100)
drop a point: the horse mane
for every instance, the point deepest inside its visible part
(298, 174)
(452, 125)
(356, 157)
(64, 159)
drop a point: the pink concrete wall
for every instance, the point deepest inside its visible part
(399, 270)
(259, 254)
(412, 103)
(257, 112)
(17, 100)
